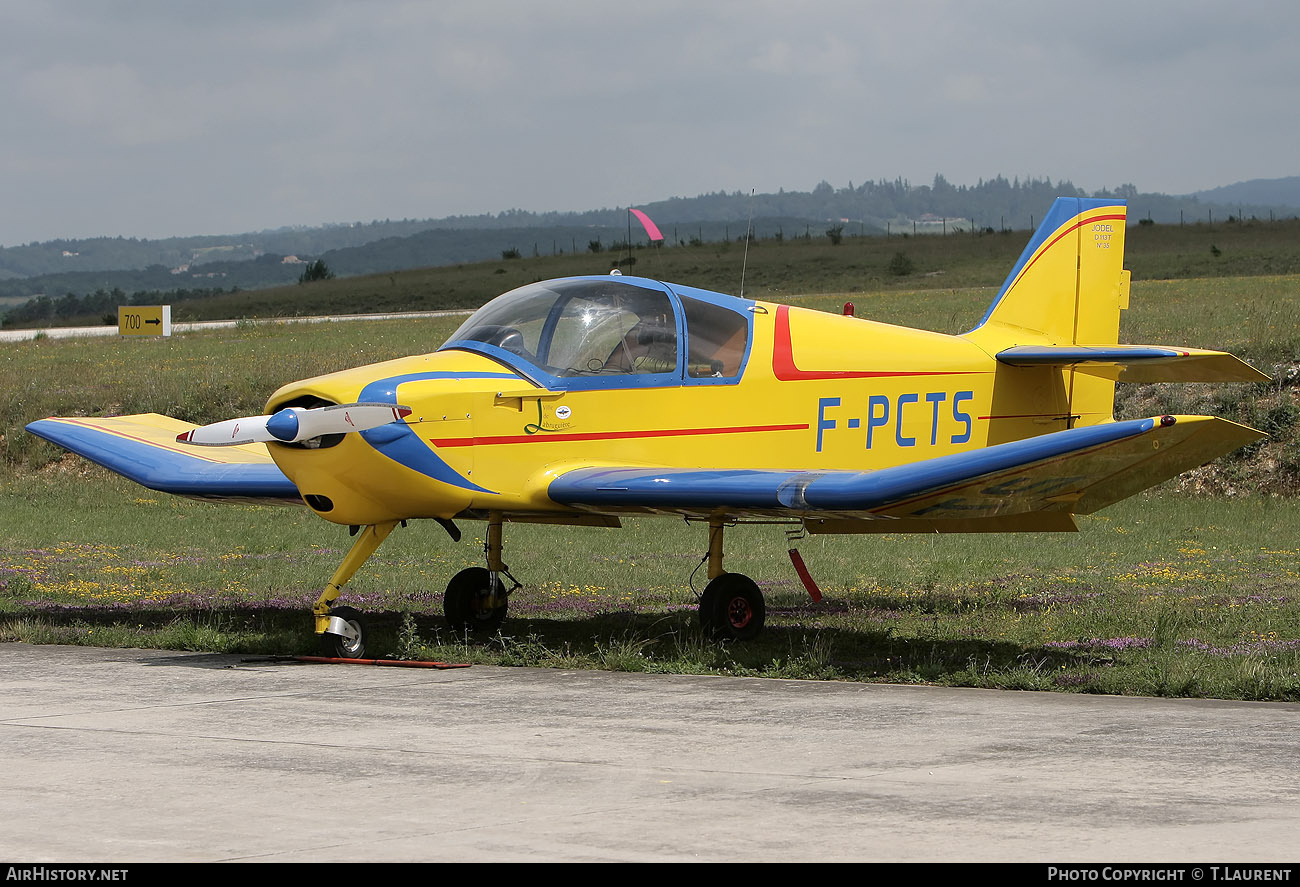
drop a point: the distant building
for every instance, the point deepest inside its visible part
(929, 223)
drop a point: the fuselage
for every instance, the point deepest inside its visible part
(624, 372)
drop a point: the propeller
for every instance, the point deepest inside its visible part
(294, 424)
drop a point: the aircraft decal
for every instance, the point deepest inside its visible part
(401, 444)
(784, 368)
(539, 426)
(880, 408)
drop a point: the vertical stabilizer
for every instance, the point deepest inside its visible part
(1068, 285)
(1067, 288)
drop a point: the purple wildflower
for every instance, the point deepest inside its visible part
(1101, 644)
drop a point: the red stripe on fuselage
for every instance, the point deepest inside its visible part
(544, 436)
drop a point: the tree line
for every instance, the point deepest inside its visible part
(102, 304)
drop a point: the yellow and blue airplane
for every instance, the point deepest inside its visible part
(581, 400)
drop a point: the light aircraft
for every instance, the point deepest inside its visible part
(583, 400)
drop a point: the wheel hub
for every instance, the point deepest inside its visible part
(739, 612)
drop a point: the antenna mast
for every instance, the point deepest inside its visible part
(749, 226)
(629, 235)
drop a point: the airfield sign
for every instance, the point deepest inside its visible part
(144, 320)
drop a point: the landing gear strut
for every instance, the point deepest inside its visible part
(731, 607)
(477, 599)
(342, 630)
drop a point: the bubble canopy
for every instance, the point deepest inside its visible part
(611, 332)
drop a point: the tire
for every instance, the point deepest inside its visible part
(335, 646)
(464, 604)
(732, 608)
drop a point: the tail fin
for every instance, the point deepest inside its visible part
(1069, 285)
(1067, 288)
(1056, 319)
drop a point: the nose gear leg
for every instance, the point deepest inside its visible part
(366, 542)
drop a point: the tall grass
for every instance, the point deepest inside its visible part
(1162, 594)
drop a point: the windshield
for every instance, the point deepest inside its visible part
(580, 328)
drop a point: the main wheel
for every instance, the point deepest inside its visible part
(732, 608)
(466, 602)
(336, 646)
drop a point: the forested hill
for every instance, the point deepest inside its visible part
(1264, 192)
(253, 260)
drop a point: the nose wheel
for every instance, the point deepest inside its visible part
(346, 638)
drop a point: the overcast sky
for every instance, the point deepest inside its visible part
(164, 117)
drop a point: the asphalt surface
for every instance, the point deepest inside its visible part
(138, 756)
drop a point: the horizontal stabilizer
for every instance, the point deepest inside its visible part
(1137, 363)
(143, 448)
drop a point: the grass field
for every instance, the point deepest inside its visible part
(1163, 594)
(1167, 593)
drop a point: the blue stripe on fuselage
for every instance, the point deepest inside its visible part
(399, 442)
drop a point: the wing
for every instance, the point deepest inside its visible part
(144, 449)
(1034, 484)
